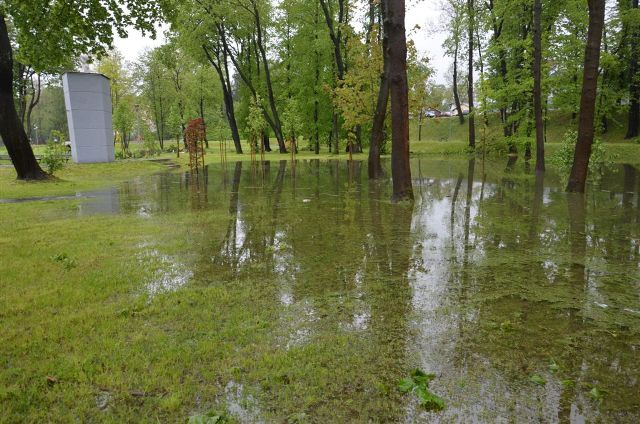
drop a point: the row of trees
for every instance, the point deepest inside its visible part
(590, 68)
(311, 74)
(300, 59)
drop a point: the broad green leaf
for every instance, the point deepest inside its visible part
(406, 385)
(537, 380)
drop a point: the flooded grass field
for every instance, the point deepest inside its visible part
(280, 293)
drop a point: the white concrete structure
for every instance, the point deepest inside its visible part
(88, 102)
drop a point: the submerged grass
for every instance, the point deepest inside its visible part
(287, 300)
(82, 177)
(90, 336)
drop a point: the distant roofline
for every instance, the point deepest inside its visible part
(87, 73)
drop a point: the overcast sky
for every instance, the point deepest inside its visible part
(426, 14)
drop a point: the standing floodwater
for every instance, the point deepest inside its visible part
(314, 294)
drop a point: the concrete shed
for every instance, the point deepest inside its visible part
(87, 97)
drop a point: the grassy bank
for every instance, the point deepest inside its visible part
(75, 177)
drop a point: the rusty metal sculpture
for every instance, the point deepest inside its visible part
(194, 136)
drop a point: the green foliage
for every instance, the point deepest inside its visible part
(48, 33)
(537, 380)
(256, 124)
(209, 418)
(562, 159)
(291, 120)
(54, 156)
(123, 121)
(64, 259)
(418, 383)
(122, 154)
(50, 114)
(56, 136)
(149, 143)
(597, 394)
(356, 95)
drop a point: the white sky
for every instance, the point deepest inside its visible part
(423, 13)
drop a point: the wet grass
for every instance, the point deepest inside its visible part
(75, 177)
(82, 177)
(99, 332)
(308, 300)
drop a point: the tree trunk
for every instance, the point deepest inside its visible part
(358, 146)
(11, 128)
(277, 126)
(335, 34)
(472, 123)
(316, 134)
(316, 103)
(537, 83)
(221, 67)
(396, 55)
(377, 129)
(578, 176)
(266, 142)
(33, 102)
(335, 133)
(206, 140)
(456, 96)
(633, 129)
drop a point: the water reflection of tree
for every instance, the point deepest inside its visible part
(534, 293)
(335, 268)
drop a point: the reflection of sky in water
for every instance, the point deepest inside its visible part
(169, 273)
(477, 276)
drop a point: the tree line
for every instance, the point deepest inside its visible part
(320, 72)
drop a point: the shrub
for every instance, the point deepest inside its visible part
(562, 160)
(493, 146)
(149, 143)
(54, 156)
(123, 154)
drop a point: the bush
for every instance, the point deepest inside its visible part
(149, 143)
(562, 160)
(122, 154)
(57, 136)
(493, 146)
(54, 156)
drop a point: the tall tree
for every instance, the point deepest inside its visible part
(537, 83)
(336, 34)
(216, 53)
(47, 42)
(377, 130)
(453, 43)
(470, 36)
(396, 55)
(586, 128)
(11, 128)
(155, 88)
(632, 25)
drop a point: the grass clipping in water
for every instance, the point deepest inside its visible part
(418, 383)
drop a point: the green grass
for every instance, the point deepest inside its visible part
(441, 137)
(85, 339)
(449, 129)
(75, 177)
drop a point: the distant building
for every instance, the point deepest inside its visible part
(433, 113)
(463, 106)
